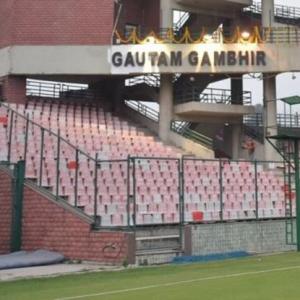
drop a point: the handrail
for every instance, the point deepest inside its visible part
(210, 95)
(151, 80)
(283, 120)
(182, 20)
(2, 103)
(181, 128)
(57, 90)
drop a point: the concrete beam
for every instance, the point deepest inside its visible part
(215, 111)
(95, 60)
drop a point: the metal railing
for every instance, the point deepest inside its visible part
(61, 158)
(211, 95)
(283, 120)
(151, 80)
(182, 21)
(280, 11)
(133, 191)
(55, 90)
(288, 120)
(180, 127)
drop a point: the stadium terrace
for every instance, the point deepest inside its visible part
(193, 58)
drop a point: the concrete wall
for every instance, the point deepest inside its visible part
(190, 146)
(253, 237)
(5, 211)
(48, 224)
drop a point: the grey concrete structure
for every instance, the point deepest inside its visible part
(253, 237)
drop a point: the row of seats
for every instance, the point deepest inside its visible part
(154, 194)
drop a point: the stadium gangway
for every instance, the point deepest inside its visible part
(181, 128)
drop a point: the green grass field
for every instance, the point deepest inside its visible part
(273, 277)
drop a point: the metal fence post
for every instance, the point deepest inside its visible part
(10, 135)
(26, 139)
(76, 178)
(128, 191)
(58, 165)
(17, 207)
(181, 198)
(134, 192)
(297, 186)
(256, 190)
(221, 188)
(42, 155)
(96, 219)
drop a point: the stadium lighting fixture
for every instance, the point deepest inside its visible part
(245, 35)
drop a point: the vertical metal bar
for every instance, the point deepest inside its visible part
(76, 178)
(134, 192)
(297, 185)
(256, 190)
(58, 164)
(10, 135)
(128, 191)
(221, 189)
(26, 139)
(17, 207)
(41, 155)
(181, 198)
(96, 222)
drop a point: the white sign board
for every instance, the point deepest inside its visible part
(191, 58)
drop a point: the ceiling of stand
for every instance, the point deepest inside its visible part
(225, 5)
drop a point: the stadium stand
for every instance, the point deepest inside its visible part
(112, 138)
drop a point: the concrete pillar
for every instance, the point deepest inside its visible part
(237, 90)
(270, 114)
(166, 14)
(236, 132)
(267, 15)
(166, 106)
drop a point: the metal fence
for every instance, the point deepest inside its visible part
(212, 96)
(281, 11)
(143, 190)
(55, 90)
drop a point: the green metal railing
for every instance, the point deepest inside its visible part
(283, 120)
(180, 127)
(57, 165)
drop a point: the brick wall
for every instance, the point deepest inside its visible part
(35, 22)
(5, 21)
(5, 211)
(14, 89)
(48, 225)
(140, 12)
